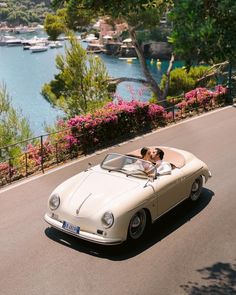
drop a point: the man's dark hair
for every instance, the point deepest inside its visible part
(160, 153)
(143, 151)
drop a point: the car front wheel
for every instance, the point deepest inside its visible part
(137, 225)
(196, 188)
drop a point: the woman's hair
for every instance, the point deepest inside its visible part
(144, 151)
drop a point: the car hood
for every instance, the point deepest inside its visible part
(96, 190)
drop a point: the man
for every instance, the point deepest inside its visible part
(162, 167)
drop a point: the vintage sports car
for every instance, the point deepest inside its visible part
(117, 200)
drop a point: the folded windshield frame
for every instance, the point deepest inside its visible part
(129, 165)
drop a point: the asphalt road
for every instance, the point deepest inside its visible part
(191, 250)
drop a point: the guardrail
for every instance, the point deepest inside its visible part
(37, 154)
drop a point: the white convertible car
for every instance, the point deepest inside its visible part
(116, 200)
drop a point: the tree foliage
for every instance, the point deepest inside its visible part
(25, 12)
(182, 81)
(204, 30)
(81, 84)
(13, 126)
(77, 17)
(138, 15)
(54, 25)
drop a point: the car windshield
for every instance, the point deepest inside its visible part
(127, 164)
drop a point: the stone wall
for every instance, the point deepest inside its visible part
(112, 48)
(157, 50)
(161, 50)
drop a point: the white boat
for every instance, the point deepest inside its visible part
(129, 60)
(4, 39)
(14, 42)
(95, 48)
(2, 42)
(27, 47)
(55, 44)
(125, 58)
(27, 44)
(89, 38)
(38, 48)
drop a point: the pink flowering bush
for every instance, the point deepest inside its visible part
(202, 98)
(219, 94)
(33, 153)
(114, 122)
(6, 172)
(123, 119)
(156, 114)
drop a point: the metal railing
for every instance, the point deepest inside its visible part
(39, 153)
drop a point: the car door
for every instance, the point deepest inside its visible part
(171, 191)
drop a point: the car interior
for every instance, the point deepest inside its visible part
(173, 157)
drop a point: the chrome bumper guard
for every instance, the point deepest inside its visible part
(82, 235)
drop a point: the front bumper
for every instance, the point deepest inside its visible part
(208, 175)
(82, 234)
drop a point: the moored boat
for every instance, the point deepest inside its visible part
(14, 42)
(95, 48)
(55, 44)
(38, 48)
(89, 38)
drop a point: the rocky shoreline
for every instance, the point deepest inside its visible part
(156, 50)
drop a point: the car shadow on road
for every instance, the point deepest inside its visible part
(163, 227)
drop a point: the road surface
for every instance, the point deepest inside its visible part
(191, 250)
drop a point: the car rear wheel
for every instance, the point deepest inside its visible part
(196, 189)
(137, 225)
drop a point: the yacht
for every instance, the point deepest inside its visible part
(89, 38)
(55, 44)
(95, 48)
(4, 39)
(14, 42)
(39, 48)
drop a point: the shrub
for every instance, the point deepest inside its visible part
(182, 80)
(114, 122)
(202, 98)
(179, 82)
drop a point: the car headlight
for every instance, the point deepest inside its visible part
(54, 201)
(107, 219)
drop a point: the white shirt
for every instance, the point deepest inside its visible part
(160, 168)
(163, 168)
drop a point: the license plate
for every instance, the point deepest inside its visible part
(70, 227)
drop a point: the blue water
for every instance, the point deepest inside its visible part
(25, 73)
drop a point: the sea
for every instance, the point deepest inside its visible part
(24, 74)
